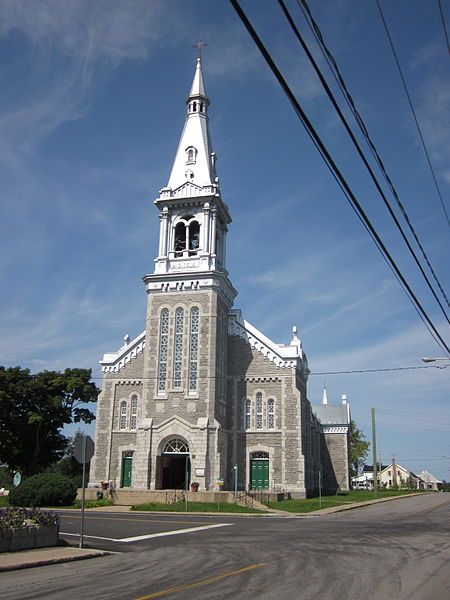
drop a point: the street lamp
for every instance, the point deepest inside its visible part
(428, 359)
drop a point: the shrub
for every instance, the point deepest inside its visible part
(93, 503)
(45, 489)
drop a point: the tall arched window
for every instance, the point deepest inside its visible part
(248, 414)
(123, 415)
(259, 411)
(193, 348)
(133, 412)
(271, 413)
(178, 347)
(163, 344)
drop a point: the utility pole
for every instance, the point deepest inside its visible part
(320, 486)
(374, 449)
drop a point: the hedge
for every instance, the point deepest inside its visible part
(44, 489)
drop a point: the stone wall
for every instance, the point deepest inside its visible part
(334, 456)
(249, 373)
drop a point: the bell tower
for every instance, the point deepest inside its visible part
(193, 218)
(189, 299)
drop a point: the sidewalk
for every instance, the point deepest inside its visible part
(10, 561)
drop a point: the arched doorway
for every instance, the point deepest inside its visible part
(173, 468)
(259, 470)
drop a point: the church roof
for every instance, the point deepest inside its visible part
(282, 356)
(332, 414)
(113, 361)
(369, 468)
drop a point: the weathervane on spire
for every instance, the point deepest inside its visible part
(200, 44)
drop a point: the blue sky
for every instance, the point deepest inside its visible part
(91, 109)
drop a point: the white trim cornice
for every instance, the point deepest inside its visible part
(334, 429)
(281, 356)
(113, 361)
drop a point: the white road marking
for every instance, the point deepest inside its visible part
(138, 538)
(176, 532)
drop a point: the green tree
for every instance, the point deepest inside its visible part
(68, 465)
(358, 449)
(410, 483)
(33, 410)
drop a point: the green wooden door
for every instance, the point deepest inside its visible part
(260, 474)
(127, 470)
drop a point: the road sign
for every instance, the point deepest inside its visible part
(78, 449)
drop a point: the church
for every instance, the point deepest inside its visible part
(201, 397)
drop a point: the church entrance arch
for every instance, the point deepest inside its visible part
(259, 470)
(173, 469)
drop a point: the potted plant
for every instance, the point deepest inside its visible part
(194, 486)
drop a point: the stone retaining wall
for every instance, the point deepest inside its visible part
(27, 538)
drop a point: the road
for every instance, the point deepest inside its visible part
(398, 550)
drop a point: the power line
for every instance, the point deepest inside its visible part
(441, 12)
(112, 373)
(331, 165)
(381, 370)
(367, 165)
(360, 122)
(414, 113)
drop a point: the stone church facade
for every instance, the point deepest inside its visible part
(201, 396)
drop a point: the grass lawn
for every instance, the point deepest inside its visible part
(4, 501)
(195, 507)
(312, 504)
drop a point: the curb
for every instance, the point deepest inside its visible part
(53, 561)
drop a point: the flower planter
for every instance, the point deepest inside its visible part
(194, 486)
(46, 535)
(27, 538)
(5, 541)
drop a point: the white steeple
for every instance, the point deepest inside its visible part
(193, 217)
(194, 160)
(324, 395)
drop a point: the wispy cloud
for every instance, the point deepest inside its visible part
(88, 31)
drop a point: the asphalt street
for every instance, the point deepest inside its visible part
(398, 550)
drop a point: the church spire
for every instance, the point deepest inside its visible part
(194, 161)
(324, 396)
(193, 217)
(198, 87)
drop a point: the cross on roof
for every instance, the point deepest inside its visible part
(200, 44)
